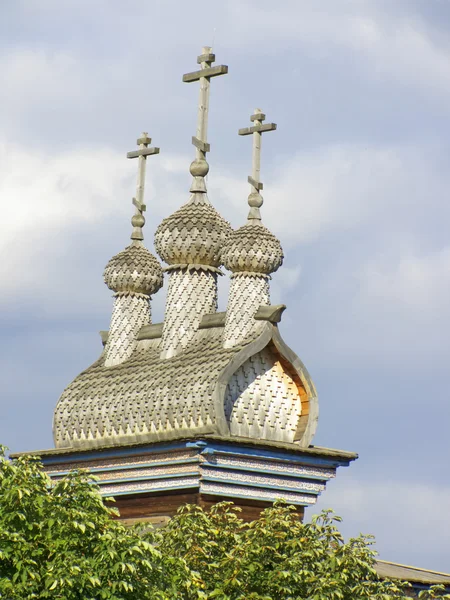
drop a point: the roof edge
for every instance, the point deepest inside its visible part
(269, 333)
(395, 564)
(341, 455)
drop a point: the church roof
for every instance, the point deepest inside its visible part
(148, 398)
(391, 570)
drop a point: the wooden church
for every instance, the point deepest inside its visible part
(206, 405)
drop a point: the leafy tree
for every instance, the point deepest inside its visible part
(274, 557)
(60, 541)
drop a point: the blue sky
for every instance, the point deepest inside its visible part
(356, 187)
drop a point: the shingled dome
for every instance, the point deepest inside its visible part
(134, 270)
(253, 249)
(193, 235)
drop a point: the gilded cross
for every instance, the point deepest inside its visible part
(200, 167)
(141, 154)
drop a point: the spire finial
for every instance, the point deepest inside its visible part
(255, 200)
(199, 167)
(138, 220)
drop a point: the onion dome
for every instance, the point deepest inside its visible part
(134, 270)
(252, 249)
(193, 235)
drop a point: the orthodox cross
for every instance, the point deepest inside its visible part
(255, 199)
(141, 154)
(199, 167)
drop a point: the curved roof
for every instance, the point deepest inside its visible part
(147, 398)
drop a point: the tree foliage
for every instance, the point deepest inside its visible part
(60, 541)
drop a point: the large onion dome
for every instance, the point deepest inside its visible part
(252, 249)
(193, 235)
(134, 270)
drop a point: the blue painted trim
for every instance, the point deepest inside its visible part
(418, 587)
(232, 447)
(235, 449)
(197, 444)
(149, 478)
(160, 463)
(185, 486)
(195, 460)
(251, 484)
(259, 498)
(119, 452)
(267, 471)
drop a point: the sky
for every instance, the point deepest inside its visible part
(357, 180)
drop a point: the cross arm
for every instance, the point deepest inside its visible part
(258, 116)
(139, 205)
(209, 57)
(258, 185)
(203, 146)
(208, 72)
(257, 129)
(142, 152)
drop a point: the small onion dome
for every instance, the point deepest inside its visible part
(252, 249)
(193, 235)
(134, 270)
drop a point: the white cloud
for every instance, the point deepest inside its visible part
(389, 312)
(39, 76)
(64, 95)
(397, 45)
(380, 292)
(284, 280)
(343, 188)
(416, 285)
(55, 80)
(405, 307)
(51, 199)
(45, 198)
(409, 519)
(336, 193)
(335, 187)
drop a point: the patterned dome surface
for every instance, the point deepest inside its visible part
(135, 269)
(252, 248)
(244, 390)
(194, 234)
